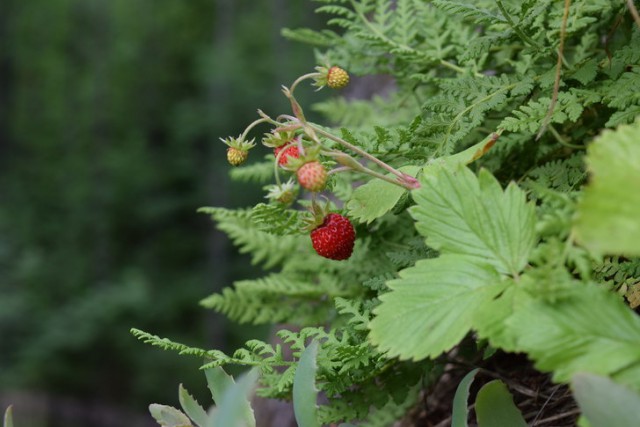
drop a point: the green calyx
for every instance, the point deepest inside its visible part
(239, 143)
(316, 215)
(331, 76)
(277, 139)
(311, 154)
(283, 193)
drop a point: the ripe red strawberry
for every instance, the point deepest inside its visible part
(337, 78)
(236, 156)
(312, 176)
(290, 150)
(334, 238)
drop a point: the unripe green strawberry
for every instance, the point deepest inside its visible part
(334, 238)
(238, 150)
(236, 157)
(337, 78)
(312, 176)
(289, 151)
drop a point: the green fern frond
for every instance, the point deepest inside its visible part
(258, 172)
(379, 283)
(265, 248)
(561, 175)
(167, 344)
(275, 298)
(324, 38)
(358, 318)
(623, 92)
(472, 12)
(275, 219)
(415, 250)
(529, 117)
(392, 411)
(618, 271)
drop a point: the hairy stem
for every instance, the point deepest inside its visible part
(402, 177)
(252, 125)
(302, 78)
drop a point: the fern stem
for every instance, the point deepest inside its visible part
(556, 84)
(515, 27)
(457, 69)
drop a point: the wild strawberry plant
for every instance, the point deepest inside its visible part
(492, 192)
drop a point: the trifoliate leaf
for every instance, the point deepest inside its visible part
(460, 213)
(605, 403)
(588, 330)
(376, 198)
(431, 307)
(608, 218)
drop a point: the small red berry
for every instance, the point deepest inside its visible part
(236, 156)
(289, 151)
(312, 176)
(334, 238)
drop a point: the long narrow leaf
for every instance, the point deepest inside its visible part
(305, 393)
(192, 408)
(460, 413)
(495, 407)
(605, 403)
(8, 417)
(232, 408)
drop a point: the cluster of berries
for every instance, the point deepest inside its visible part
(332, 235)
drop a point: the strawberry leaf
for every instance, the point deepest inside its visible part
(432, 305)
(376, 198)
(608, 216)
(460, 213)
(588, 330)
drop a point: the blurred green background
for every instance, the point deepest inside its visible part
(110, 114)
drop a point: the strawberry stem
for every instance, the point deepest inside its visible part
(302, 78)
(252, 125)
(405, 180)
